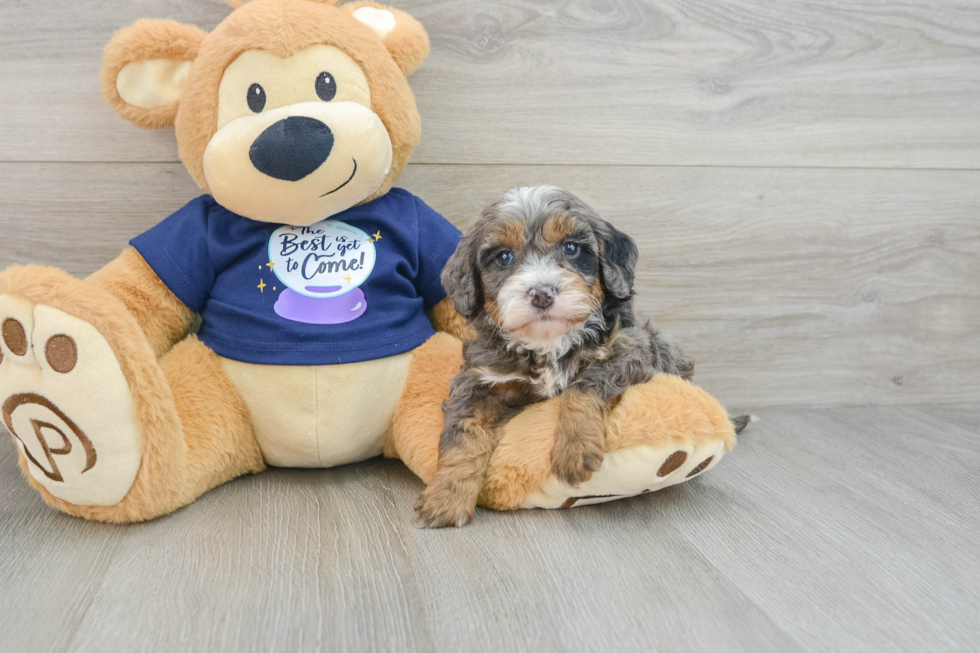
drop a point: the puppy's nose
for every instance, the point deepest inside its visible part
(542, 297)
(291, 148)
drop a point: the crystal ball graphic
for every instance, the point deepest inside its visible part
(326, 259)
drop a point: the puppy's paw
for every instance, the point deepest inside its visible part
(439, 509)
(574, 461)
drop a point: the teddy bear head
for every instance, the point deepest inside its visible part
(290, 111)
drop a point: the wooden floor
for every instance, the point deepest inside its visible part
(803, 180)
(840, 529)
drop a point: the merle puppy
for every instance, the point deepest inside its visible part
(548, 287)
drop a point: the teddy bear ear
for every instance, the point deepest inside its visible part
(403, 36)
(144, 68)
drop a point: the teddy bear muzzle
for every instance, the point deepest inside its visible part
(300, 163)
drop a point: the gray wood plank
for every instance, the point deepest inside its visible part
(786, 286)
(665, 82)
(838, 549)
(52, 565)
(565, 581)
(966, 417)
(817, 533)
(290, 560)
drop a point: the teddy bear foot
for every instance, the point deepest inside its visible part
(67, 403)
(629, 472)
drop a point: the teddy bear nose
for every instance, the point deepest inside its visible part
(291, 148)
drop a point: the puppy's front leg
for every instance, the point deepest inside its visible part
(583, 408)
(468, 438)
(580, 436)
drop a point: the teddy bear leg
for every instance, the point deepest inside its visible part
(417, 422)
(661, 433)
(658, 434)
(217, 427)
(103, 430)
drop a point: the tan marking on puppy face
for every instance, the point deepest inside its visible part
(492, 308)
(557, 228)
(542, 330)
(583, 291)
(597, 291)
(510, 233)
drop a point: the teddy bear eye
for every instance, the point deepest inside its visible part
(326, 86)
(256, 98)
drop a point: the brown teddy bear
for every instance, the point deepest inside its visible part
(325, 335)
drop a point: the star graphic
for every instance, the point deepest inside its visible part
(348, 278)
(377, 236)
(269, 265)
(261, 286)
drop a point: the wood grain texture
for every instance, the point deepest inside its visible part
(826, 529)
(731, 138)
(661, 82)
(787, 286)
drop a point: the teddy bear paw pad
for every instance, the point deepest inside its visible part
(631, 471)
(65, 399)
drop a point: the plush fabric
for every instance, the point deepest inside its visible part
(162, 457)
(147, 40)
(40, 406)
(120, 415)
(162, 317)
(321, 415)
(289, 107)
(445, 318)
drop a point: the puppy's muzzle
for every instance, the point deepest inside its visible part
(543, 296)
(291, 148)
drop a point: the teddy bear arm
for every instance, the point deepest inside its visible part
(163, 318)
(444, 317)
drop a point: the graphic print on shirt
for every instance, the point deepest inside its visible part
(322, 266)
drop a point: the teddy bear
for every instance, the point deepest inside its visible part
(293, 314)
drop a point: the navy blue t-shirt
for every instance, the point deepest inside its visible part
(347, 289)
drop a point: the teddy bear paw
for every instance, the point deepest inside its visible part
(631, 471)
(67, 403)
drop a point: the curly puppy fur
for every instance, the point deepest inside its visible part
(547, 286)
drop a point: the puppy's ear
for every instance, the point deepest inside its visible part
(461, 278)
(618, 264)
(144, 68)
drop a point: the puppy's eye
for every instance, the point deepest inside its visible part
(505, 258)
(570, 249)
(255, 98)
(326, 86)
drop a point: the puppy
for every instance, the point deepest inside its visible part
(547, 285)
